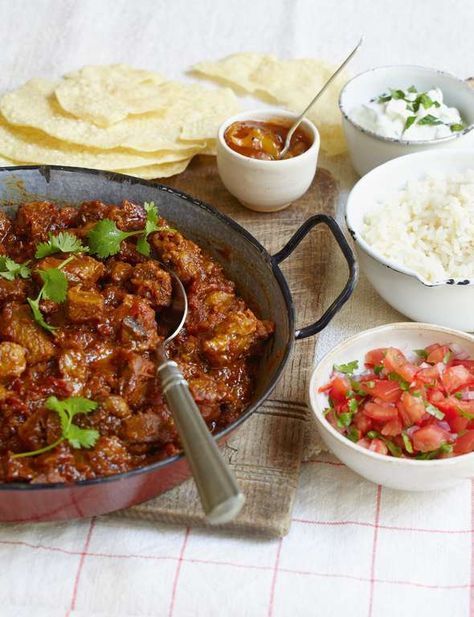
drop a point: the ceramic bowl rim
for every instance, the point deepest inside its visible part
(394, 140)
(347, 443)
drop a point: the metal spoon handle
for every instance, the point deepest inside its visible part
(323, 89)
(220, 495)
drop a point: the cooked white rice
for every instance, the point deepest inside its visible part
(428, 227)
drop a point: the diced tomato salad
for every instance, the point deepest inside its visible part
(418, 406)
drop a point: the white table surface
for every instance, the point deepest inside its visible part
(352, 549)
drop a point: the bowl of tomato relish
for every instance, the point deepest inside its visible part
(396, 404)
(248, 158)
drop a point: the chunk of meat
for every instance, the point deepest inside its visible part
(84, 305)
(151, 426)
(109, 456)
(209, 395)
(36, 219)
(119, 271)
(117, 406)
(18, 325)
(13, 290)
(92, 211)
(232, 338)
(12, 359)
(128, 216)
(152, 282)
(81, 269)
(137, 324)
(5, 225)
(185, 256)
(72, 365)
(135, 373)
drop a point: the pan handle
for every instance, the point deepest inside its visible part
(346, 250)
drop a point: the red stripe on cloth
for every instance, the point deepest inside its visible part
(389, 527)
(178, 570)
(322, 462)
(374, 547)
(274, 579)
(80, 566)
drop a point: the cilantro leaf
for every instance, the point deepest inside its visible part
(353, 434)
(344, 419)
(429, 120)
(10, 269)
(378, 368)
(105, 238)
(143, 246)
(75, 435)
(63, 242)
(426, 101)
(421, 353)
(55, 284)
(412, 89)
(409, 121)
(404, 385)
(38, 315)
(348, 368)
(398, 94)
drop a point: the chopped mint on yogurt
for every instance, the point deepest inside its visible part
(409, 114)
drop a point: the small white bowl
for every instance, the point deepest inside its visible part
(445, 303)
(398, 473)
(366, 148)
(266, 186)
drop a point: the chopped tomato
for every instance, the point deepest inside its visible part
(437, 353)
(388, 391)
(464, 443)
(377, 445)
(392, 428)
(429, 438)
(394, 361)
(430, 395)
(380, 413)
(375, 356)
(412, 409)
(340, 387)
(456, 377)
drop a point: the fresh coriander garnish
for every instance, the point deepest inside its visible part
(404, 385)
(348, 368)
(393, 448)
(356, 387)
(445, 448)
(425, 100)
(372, 434)
(434, 411)
(353, 405)
(77, 437)
(456, 127)
(63, 242)
(10, 269)
(429, 120)
(407, 443)
(353, 434)
(378, 368)
(344, 419)
(458, 395)
(105, 237)
(421, 353)
(409, 121)
(54, 288)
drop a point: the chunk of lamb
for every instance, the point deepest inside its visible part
(18, 325)
(136, 372)
(82, 269)
(235, 337)
(128, 216)
(5, 225)
(152, 282)
(12, 359)
(136, 322)
(36, 219)
(185, 256)
(13, 290)
(153, 426)
(84, 305)
(209, 396)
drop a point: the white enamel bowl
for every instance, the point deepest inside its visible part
(397, 473)
(367, 149)
(266, 186)
(443, 303)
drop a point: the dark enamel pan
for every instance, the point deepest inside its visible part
(259, 281)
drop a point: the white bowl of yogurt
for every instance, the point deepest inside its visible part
(391, 111)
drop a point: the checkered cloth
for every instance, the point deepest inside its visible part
(354, 549)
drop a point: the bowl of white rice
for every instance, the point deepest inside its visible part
(412, 220)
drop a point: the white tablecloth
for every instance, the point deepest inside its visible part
(354, 548)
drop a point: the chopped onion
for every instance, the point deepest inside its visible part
(412, 430)
(459, 352)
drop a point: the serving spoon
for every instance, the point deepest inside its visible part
(220, 495)
(298, 120)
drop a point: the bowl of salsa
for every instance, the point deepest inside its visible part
(396, 405)
(248, 158)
